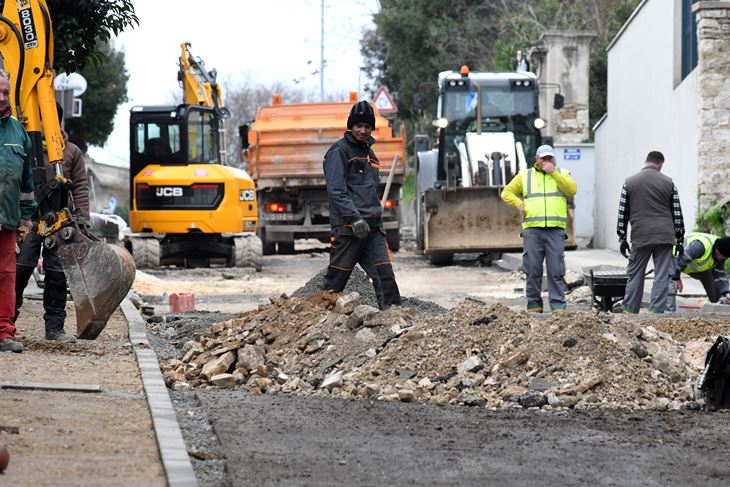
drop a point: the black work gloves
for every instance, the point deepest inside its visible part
(361, 228)
(624, 248)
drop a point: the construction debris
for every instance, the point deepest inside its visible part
(476, 355)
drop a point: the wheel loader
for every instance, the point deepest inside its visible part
(187, 208)
(98, 275)
(488, 129)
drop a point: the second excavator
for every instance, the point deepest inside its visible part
(188, 208)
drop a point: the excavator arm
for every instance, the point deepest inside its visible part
(98, 275)
(200, 87)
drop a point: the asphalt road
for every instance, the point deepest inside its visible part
(291, 440)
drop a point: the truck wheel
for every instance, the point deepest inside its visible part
(441, 259)
(285, 248)
(248, 252)
(146, 252)
(267, 248)
(393, 238)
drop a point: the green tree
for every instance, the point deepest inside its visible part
(107, 89)
(81, 29)
(523, 28)
(80, 25)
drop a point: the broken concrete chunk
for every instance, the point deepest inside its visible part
(359, 315)
(515, 360)
(223, 381)
(333, 380)
(406, 395)
(588, 384)
(218, 365)
(649, 334)
(347, 303)
(314, 345)
(371, 353)
(365, 335)
(371, 390)
(250, 357)
(469, 365)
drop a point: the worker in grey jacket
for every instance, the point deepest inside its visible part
(650, 203)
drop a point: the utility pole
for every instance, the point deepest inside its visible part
(321, 54)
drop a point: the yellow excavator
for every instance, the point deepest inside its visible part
(98, 275)
(188, 208)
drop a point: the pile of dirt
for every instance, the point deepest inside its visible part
(328, 344)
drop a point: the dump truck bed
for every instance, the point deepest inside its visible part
(288, 143)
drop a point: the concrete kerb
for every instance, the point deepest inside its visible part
(173, 452)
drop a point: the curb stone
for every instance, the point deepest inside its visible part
(173, 452)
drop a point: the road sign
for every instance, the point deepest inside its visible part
(571, 154)
(73, 81)
(384, 102)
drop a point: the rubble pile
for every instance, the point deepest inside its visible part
(476, 355)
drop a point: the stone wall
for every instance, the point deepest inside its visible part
(562, 64)
(713, 107)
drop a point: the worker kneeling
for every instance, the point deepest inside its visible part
(356, 216)
(703, 259)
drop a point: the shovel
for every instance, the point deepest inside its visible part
(99, 276)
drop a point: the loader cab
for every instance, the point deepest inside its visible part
(168, 135)
(505, 102)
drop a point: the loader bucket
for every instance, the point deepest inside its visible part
(99, 276)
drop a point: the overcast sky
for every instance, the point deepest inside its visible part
(256, 40)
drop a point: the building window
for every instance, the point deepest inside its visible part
(689, 38)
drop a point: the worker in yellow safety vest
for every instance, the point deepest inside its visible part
(703, 259)
(540, 193)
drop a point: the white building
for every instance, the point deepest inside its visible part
(654, 103)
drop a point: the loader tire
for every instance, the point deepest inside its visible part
(248, 252)
(285, 248)
(441, 259)
(146, 253)
(267, 248)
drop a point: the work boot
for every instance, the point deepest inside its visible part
(60, 336)
(10, 345)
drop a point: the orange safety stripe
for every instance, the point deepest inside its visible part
(383, 263)
(341, 268)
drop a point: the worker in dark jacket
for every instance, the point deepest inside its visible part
(356, 216)
(650, 202)
(17, 204)
(703, 258)
(54, 291)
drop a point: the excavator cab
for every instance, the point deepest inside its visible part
(98, 275)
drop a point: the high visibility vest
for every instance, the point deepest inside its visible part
(707, 261)
(545, 204)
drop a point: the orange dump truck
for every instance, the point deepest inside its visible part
(285, 147)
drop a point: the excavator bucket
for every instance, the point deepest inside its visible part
(99, 276)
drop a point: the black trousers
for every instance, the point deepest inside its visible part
(373, 256)
(54, 292)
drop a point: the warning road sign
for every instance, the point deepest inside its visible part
(384, 102)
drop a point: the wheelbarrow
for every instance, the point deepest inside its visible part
(607, 284)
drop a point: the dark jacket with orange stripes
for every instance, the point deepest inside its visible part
(352, 176)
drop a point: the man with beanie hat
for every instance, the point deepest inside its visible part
(703, 259)
(357, 236)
